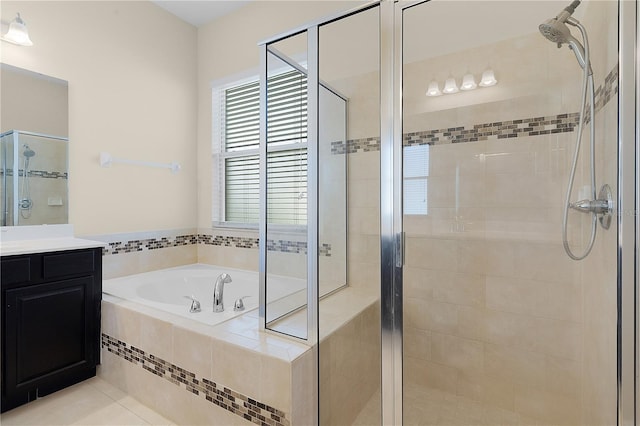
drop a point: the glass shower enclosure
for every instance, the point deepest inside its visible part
(459, 301)
(34, 177)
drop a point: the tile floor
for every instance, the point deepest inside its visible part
(92, 402)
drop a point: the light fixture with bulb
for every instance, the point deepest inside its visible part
(434, 89)
(18, 33)
(450, 86)
(468, 82)
(488, 79)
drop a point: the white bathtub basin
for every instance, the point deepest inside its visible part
(170, 290)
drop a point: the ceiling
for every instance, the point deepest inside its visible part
(200, 12)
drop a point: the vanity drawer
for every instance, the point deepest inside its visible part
(35, 268)
(15, 270)
(68, 263)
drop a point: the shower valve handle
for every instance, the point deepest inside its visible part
(592, 206)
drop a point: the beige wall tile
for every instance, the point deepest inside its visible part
(430, 253)
(547, 407)
(232, 257)
(463, 354)
(536, 370)
(538, 298)
(364, 165)
(458, 288)
(275, 383)
(156, 337)
(419, 283)
(121, 323)
(430, 315)
(119, 265)
(241, 377)
(552, 337)
(495, 392)
(192, 351)
(426, 373)
(364, 248)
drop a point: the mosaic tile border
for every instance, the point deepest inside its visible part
(535, 126)
(228, 241)
(38, 174)
(118, 247)
(523, 127)
(607, 90)
(232, 401)
(284, 246)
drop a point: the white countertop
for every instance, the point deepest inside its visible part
(16, 240)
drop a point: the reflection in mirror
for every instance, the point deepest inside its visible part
(33, 148)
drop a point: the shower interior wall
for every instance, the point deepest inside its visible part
(499, 324)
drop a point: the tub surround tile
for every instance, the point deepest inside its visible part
(244, 364)
(184, 343)
(237, 403)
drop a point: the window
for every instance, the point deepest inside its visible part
(416, 173)
(236, 152)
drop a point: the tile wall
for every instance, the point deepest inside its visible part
(237, 376)
(498, 319)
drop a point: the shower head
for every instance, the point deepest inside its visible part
(556, 31)
(28, 152)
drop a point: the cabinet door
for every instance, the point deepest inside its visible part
(49, 330)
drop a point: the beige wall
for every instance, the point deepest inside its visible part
(228, 49)
(33, 102)
(131, 68)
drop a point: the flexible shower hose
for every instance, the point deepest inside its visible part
(587, 84)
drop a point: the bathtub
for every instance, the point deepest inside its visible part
(171, 290)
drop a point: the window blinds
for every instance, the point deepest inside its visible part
(286, 146)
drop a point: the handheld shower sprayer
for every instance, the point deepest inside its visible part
(599, 206)
(556, 31)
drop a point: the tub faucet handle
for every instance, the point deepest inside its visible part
(195, 305)
(239, 304)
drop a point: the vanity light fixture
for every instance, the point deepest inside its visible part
(450, 86)
(488, 79)
(434, 89)
(18, 33)
(468, 82)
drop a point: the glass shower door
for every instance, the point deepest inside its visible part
(500, 325)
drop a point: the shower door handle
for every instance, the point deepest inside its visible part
(400, 249)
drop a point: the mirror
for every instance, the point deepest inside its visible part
(34, 130)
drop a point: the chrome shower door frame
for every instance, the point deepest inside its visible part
(628, 206)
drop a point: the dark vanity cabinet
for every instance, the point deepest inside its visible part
(50, 322)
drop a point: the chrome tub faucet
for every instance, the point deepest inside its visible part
(218, 290)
